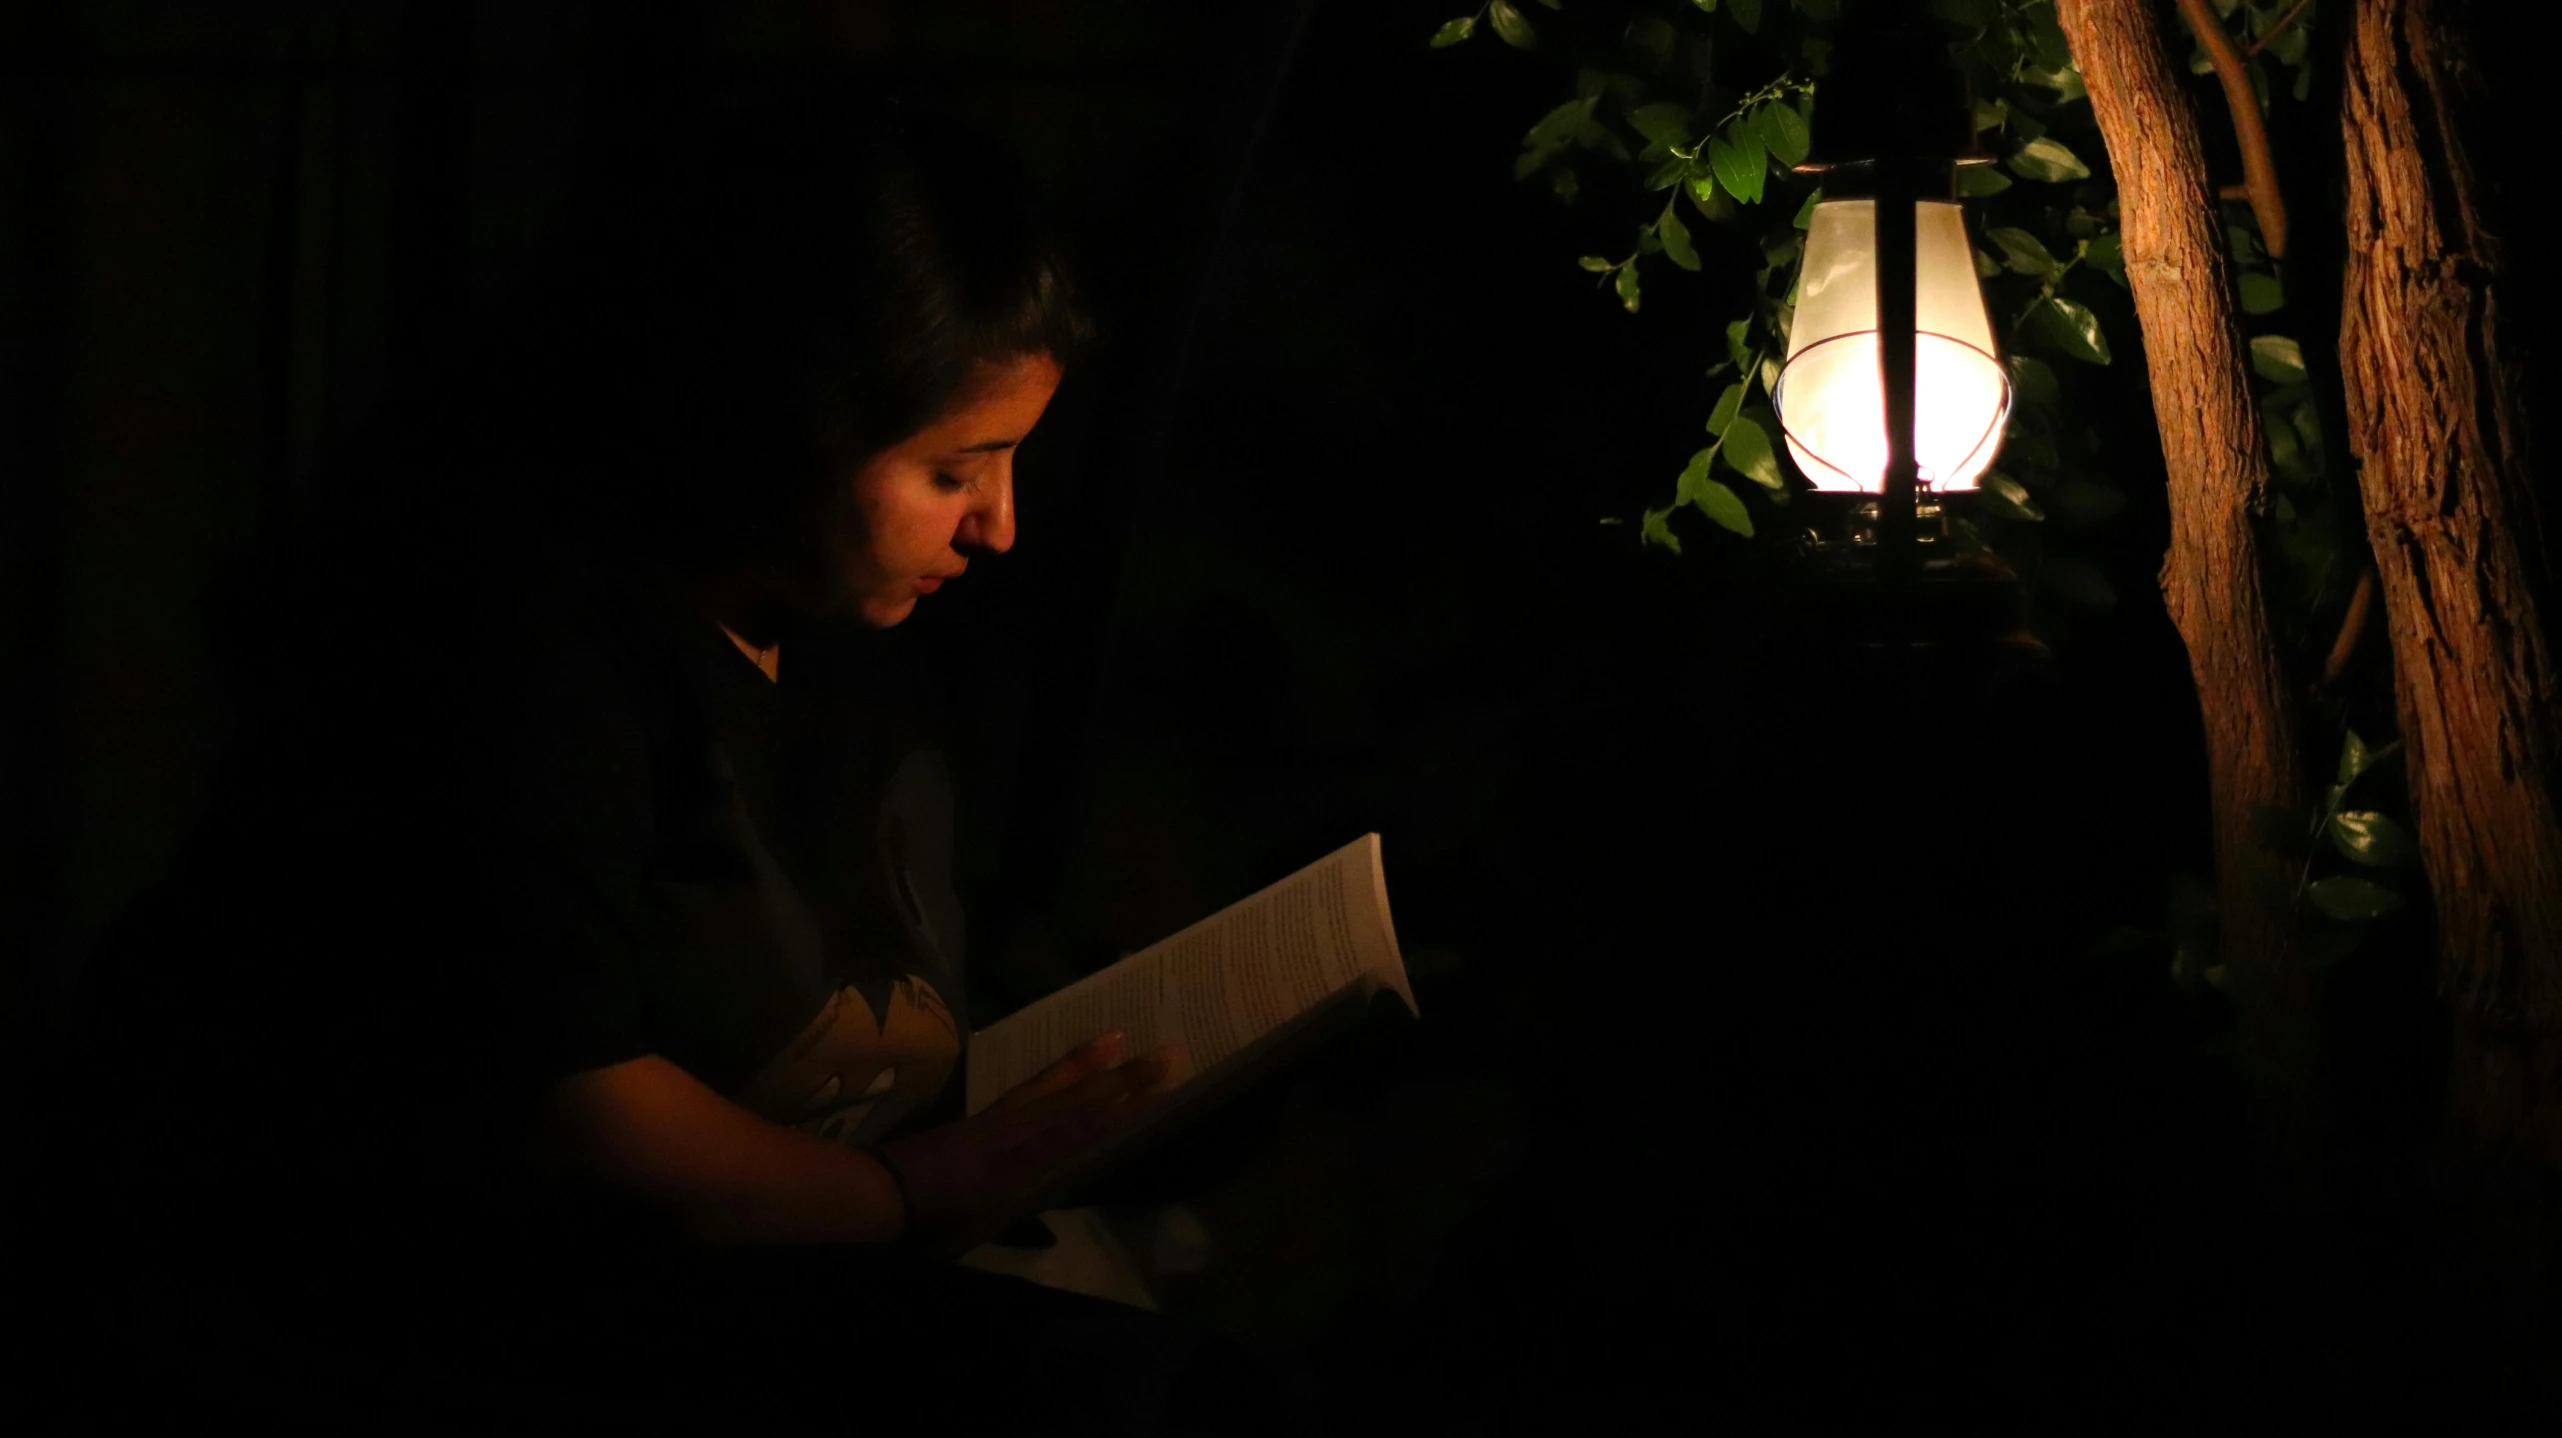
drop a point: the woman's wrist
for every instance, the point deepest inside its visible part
(913, 1221)
(907, 1221)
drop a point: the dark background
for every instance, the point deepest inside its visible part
(1769, 1064)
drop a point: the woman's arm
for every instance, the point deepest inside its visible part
(649, 1129)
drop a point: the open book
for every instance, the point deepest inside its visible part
(1226, 991)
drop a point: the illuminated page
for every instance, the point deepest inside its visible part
(1130, 996)
(1222, 987)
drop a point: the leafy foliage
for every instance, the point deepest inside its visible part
(1712, 105)
(1704, 109)
(2275, 33)
(2366, 837)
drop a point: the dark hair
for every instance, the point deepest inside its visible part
(755, 296)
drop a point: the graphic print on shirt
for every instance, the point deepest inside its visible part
(882, 1047)
(857, 1070)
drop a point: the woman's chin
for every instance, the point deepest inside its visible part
(881, 612)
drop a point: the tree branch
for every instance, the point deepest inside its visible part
(2273, 31)
(2259, 173)
(2361, 607)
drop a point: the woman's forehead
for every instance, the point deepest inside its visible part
(995, 410)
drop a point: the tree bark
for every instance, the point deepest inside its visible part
(2218, 465)
(2437, 420)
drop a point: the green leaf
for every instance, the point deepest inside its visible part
(1783, 132)
(2356, 759)
(1806, 211)
(2034, 382)
(1668, 174)
(2026, 446)
(1747, 13)
(1676, 239)
(1594, 135)
(1737, 167)
(1596, 264)
(2023, 253)
(1711, 203)
(1729, 404)
(1665, 122)
(2292, 44)
(1747, 452)
(1656, 531)
(2371, 838)
(2349, 898)
(2064, 80)
(1816, 9)
(2071, 327)
(2261, 294)
(1626, 283)
(2083, 501)
(1654, 35)
(1509, 23)
(1710, 6)
(1738, 349)
(1723, 505)
(2107, 254)
(2278, 358)
(1560, 124)
(2280, 830)
(1977, 181)
(2286, 451)
(2011, 498)
(2077, 580)
(1693, 475)
(2047, 158)
(1454, 31)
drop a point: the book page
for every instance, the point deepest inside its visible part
(1130, 996)
(1220, 986)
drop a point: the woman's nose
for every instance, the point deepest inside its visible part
(989, 524)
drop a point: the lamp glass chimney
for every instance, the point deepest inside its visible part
(1831, 392)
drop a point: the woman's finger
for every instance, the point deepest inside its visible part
(1072, 1131)
(1138, 1076)
(1094, 1056)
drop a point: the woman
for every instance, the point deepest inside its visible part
(572, 980)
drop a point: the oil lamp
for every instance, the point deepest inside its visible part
(1891, 394)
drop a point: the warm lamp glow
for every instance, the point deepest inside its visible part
(1831, 394)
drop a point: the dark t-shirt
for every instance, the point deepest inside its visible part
(501, 814)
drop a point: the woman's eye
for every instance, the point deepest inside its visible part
(950, 484)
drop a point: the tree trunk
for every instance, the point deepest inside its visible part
(2218, 464)
(2437, 420)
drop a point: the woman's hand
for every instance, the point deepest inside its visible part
(958, 1177)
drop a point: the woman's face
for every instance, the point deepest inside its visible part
(919, 509)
